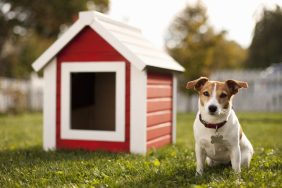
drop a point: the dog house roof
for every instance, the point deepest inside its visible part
(126, 39)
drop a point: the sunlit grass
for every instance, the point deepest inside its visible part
(24, 164)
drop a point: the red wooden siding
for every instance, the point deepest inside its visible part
(158, 104)
(155, 118)
(159, 109)
(156, 131)
(155, 91)
(85, 47)
(159, 142)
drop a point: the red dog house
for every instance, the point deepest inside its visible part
(107, 88)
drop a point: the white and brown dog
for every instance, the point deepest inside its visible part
(219, 138)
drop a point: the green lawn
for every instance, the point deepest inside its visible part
(24, 164)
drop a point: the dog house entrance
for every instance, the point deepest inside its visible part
(93, 101)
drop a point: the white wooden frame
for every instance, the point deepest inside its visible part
(138, 111)
(49, 106)
(94, 135)
(174, 107)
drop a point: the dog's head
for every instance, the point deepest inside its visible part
(215, 98)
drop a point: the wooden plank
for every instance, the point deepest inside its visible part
(163, 79)
(174, 108)
(93, 145)
(105, 19)
(158, 118)
(159, 104)
(49, 116)
(151, 52)
(159, 142)
(138, 111)
(159, 131)
(159, 91)
(123, 30)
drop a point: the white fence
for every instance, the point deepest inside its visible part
(263, 95)
(20, 95)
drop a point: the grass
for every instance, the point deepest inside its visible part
(24, 164)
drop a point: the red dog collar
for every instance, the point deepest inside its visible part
(211, 125)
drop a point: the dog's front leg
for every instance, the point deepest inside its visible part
(200, 158)
(236, 158)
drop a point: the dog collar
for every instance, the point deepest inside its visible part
(211, 125)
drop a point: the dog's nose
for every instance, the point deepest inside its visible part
(212, 108)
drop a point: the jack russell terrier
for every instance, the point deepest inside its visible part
(219, 138)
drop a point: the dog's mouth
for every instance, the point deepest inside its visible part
(212, 113)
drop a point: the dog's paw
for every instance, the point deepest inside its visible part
(198, 176)
(210, 162)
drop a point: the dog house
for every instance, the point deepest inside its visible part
(107, 88)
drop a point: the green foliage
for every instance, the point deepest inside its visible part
(28, 27)
(194, 43)
(46, 17)
(24, 164)
(266, 46)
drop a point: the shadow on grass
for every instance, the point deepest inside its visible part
(57, 155)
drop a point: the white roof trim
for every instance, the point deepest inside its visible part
(58, 45)
(97, 22)
(118, 46)
(105, 18)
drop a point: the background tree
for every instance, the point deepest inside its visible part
(193, 42)
(266, 46)
(28, 27)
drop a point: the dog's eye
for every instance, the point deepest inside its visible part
(206, 94)
(222, 95)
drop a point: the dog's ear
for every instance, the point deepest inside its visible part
(197, 84)
(235, 85)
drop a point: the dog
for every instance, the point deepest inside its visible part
(219, 138)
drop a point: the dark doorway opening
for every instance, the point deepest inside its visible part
(93, 101)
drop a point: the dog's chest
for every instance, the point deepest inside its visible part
(216, 144)
(216, 150)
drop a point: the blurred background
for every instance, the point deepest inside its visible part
(234, 39)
